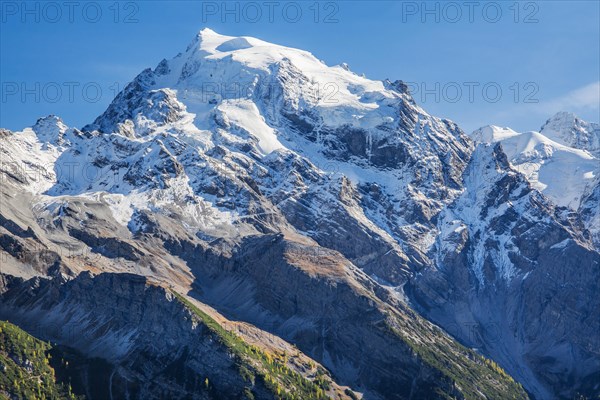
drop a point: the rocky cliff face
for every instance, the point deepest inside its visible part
(523, 258)
(159, 345)
(316, 208)
(156, 344)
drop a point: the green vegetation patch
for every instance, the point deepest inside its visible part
(253, 363)
(25, 370)
(472, 374)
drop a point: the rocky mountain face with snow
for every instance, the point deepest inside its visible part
(244, 221)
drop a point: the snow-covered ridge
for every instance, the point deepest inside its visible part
(492, 134)
(213, 59)
(561, 172)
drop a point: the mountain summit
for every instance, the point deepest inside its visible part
(567, 129)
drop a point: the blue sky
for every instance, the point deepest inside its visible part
(543, 56)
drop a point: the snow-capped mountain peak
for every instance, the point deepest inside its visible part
(50, 129)
(218, 75)
(244, 55)
(210, 42)
(492, 134)
(268, 97)
(568, 129)
(555, 160)
(217, 67)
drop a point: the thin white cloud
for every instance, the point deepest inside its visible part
(586, 98)
(583, 101)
